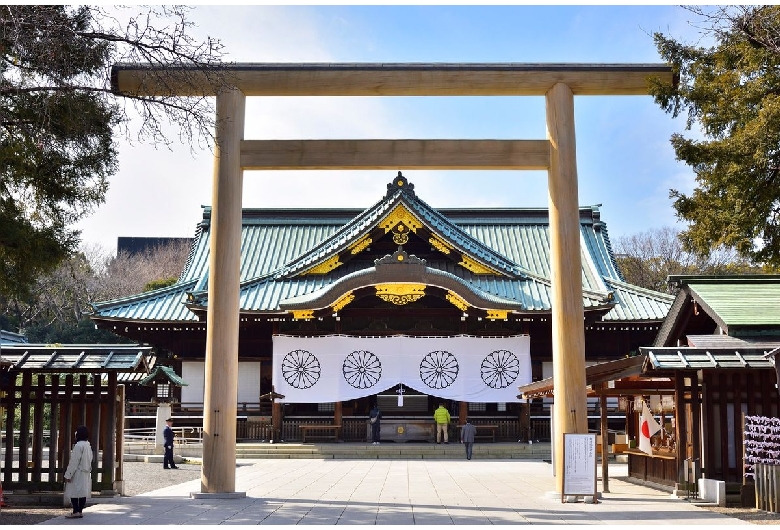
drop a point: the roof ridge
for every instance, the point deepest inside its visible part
(141, 296)
(639, 289)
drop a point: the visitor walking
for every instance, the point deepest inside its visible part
(78, 475)
(442, 418)
(168, 435)
(467, 433)
(374, 418)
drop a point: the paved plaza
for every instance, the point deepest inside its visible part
(398, 492)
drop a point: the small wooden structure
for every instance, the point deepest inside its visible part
(715, 340)
(609, 379)
(55, 389)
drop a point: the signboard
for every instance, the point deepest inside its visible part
(579, 465)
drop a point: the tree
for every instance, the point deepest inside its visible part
(59, 118)
(647, 258)
(55, 309)
(731, 91)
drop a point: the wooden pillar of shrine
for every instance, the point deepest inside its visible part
(338, 408)
(218, 473)
(568, 332)
(463, 413)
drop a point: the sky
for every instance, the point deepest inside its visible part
(625, 161)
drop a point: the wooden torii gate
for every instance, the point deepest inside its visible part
(558, 83)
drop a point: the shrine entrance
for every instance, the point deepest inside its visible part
(558, 83)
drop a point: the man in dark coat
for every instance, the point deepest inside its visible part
(168, 435)
(467, 433)
(374, 417)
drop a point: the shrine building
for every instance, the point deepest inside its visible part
(400, 304)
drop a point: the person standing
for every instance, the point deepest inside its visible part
(374, 418)
(78, 475)
(168, 435)
(467, 433)
(442, 418)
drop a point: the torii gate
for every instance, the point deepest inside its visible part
(559, 83)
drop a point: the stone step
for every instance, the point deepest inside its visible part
(390, 450)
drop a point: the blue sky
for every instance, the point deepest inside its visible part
(625, 161)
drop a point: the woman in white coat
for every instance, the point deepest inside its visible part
(78, 476)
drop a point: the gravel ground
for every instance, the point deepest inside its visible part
(141, 477)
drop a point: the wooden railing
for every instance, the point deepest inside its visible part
(353, 428)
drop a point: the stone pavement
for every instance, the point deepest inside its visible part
(398, 492)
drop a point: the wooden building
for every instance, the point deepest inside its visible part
(399, 268)
(715, 346)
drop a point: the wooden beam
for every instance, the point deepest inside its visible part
(381, 79)
(395, 154)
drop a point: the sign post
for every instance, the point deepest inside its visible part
(579, 465)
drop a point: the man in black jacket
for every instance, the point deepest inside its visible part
(168, 435)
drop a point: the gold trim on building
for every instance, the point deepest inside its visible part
(400, 215)
(457, 301)
(474, 266)
(440, 245)
(359, 246)
(400, 234)
(497, 314)
(400, 293)
(326, 266)
(302, 314)
(342, 302)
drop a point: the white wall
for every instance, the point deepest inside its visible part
(193, 373)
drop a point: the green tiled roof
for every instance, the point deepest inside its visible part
(702, 358)
(78, 357)
(162, 373)
(735, 302)
(277, 245)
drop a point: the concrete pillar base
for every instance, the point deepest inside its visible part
(225, 495)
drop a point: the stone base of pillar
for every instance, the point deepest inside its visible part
(226, 495)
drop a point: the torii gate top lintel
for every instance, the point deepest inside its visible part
(391, 79)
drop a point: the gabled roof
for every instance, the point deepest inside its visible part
(495, 257)
(744, 305)
(401, 206)
(162, 374)
(78, 357)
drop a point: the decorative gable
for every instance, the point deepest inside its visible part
(401, 216)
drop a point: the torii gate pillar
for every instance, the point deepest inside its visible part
(220, 393)
(568, 334)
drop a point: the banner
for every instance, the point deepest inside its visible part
(340, 368)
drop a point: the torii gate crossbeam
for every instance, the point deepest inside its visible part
(559, 83)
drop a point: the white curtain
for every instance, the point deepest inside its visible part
(340, 368)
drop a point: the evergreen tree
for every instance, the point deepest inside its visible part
(59, 118)
(731, 92)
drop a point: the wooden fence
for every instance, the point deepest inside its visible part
(353, 429)
(50, 407)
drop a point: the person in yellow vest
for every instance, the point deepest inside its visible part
(442, 418)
